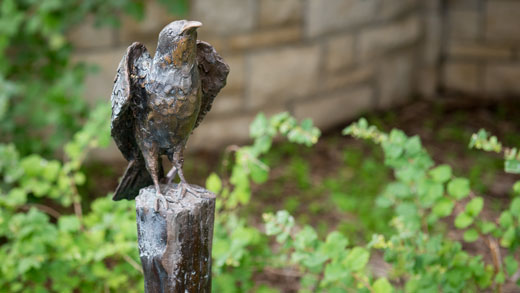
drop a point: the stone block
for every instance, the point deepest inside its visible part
(87, 36)
(463, 4)
(328, 110)
(502, 79)
(217, 133)
(462, 77)
(98, 86)
(237, 70)
(264, 38)
(228, 103)
(502, 21)
(156, 16)
(281, 74)
(225, 16)
(391, 9)
(428, 81)
(478, 51)
(464, 25)
(333, 15)
(339, 53)
(348, 78)
(276, 12)
(377, 40)
(396, 80)
(433, 35)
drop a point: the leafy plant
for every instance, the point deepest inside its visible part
(41, 103)
(422, 196)
(45, 248)
(241, 250)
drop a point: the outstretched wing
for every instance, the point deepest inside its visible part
(128, 91)
(213, 74)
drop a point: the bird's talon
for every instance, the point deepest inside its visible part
(160, 198)
(169, 199)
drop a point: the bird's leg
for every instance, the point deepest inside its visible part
(158, 195)
(173, 171)
(171, 175)
(152, 160)
(179, 163)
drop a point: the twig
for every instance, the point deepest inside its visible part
(491, 243)
(46, 209)
(76, 201)
(133, 263)
(364, 282)
(286, 273)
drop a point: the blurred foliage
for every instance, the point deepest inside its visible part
(41, 106)
(45, 247)
(47, 234)
(53, 239)
(423, 194)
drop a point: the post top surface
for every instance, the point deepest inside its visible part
(147, 197)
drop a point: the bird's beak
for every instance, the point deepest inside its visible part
(191, 25)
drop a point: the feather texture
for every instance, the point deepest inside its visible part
(213, 74)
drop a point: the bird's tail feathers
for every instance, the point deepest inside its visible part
(136, 177)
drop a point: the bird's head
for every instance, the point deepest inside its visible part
(177, 43)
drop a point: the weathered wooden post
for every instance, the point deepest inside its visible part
(175, 242)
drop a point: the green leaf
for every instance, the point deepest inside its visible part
(213, 183)
(470, 235)
(262, 144)
(16, 197)
(441, 173)
(474, 207)
(357, 259)
(334, 245)
(511, 265)
(413, 145)
(500, 278)
(305, 239)
(334, 272)
(516, 187)
(506, 219)
(508, 237)
(463, 220)
(69, 223)
(259, 172)
(79, 178)
(512, 166)
(259, 126)
(382, 286)
(51, 170)
(488, 227)
(241, 195)
(515, 207)
(459, 188)
(443, 207)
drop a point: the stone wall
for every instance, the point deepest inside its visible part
(480, 50)
(328, 60)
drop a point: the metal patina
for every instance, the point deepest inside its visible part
(157, 102)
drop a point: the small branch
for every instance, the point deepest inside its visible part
(76, 201)
(364, 282)
(46, 209)
(491, 243)
(132, 262)
(286, 273)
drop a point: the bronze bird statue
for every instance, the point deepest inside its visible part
(157, 102)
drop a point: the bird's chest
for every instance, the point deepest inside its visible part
(179, 105)
(171, 117)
